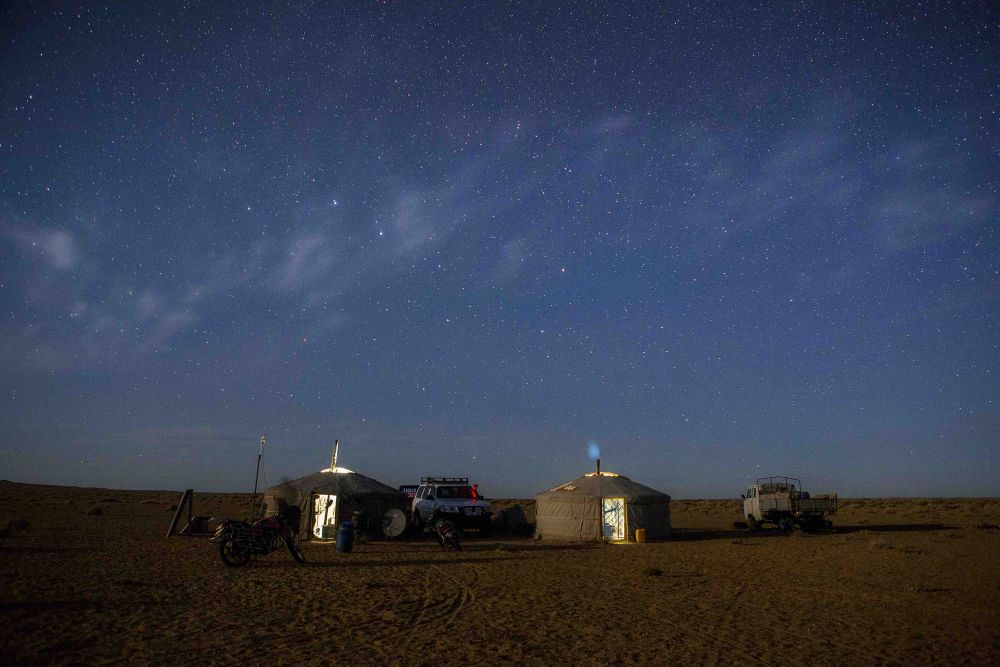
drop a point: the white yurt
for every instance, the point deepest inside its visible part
(601, 506)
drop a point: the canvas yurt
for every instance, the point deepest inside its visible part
(326, 498)
(601, 506)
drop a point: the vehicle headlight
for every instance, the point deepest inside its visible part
(449, 509)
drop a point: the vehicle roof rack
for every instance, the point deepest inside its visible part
(778, 481)
(444, 480)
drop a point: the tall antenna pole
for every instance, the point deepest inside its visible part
(336, 449)
(260, 455)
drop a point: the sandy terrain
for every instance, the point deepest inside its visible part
(91, 579)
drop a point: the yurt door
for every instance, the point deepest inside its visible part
(325, 516)
(614, 518)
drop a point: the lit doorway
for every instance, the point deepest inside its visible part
(324, 516)
(614, 518)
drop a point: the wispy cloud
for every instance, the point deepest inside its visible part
(56, 247)
(415, 221)
(309, 258)
(166, 327)
(908, 219)
(613, 125)
(148, 304)
(921, 202)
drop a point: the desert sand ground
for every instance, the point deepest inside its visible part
(88, 577)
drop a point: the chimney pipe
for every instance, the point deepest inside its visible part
(598, 467)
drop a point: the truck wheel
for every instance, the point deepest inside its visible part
(785, 524)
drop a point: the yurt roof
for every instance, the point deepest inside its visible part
(603, 485)
(334, 481)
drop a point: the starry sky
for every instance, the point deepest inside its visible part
(713, 241)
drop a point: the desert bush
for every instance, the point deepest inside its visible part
(96, 511)
(652, 571)
(19, 523)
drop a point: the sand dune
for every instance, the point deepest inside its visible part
(90, 578)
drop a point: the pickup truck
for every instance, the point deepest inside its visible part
(781, 501)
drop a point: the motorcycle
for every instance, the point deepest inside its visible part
(448, 534)
(239, 541)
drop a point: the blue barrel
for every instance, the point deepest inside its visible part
(345, 537)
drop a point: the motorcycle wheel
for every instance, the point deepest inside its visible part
(233, 556)
(452, 537)
(296, 551)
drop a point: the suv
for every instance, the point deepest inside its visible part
(451, 498)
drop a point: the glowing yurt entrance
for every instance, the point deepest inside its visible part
(325, 516)
(614, 518)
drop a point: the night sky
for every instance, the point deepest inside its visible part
(716, 241)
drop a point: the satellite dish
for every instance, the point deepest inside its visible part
(394, 522)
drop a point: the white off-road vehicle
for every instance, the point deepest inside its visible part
(781, 501)
(451, 498)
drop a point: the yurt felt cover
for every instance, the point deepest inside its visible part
(574, 511)
(354, 491)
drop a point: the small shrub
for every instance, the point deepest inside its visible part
(20, 524)
(96, 511)
(652, 571)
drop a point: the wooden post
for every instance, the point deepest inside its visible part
(253, 502)
(186, 498)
